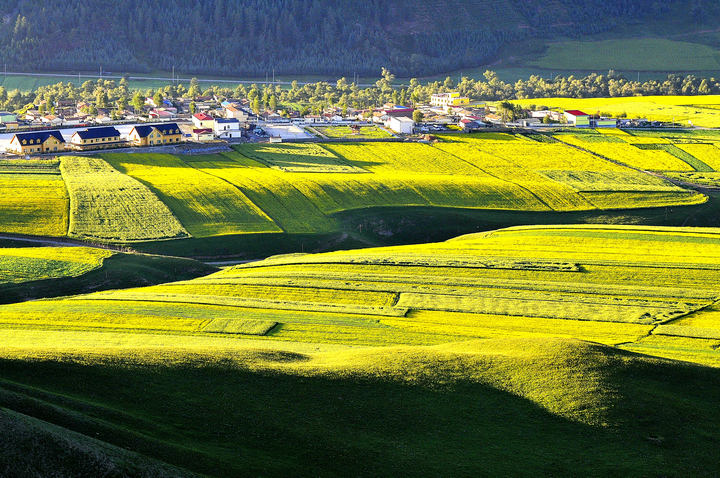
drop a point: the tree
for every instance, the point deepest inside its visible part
(272, 103)
(138, 101)
(122, 103)
(158, 98)
(193, 107)
(418, 116)
(194, 90)
(101, 99)
(256, 105)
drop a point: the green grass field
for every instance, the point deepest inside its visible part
(447, 358)
(347, 132)
(633, 54)
(38, 272)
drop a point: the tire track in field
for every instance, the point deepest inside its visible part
(541, 201)
(248, 194)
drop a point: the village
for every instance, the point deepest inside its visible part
(212, 120)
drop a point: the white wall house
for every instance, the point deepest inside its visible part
(232, 111)
(227, 128)
(202, 120)
(401, 124)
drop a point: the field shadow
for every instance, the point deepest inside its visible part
(215, 417)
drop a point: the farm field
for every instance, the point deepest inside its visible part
(691, 156)
(294, 189)
(108, 205)
(485, 337)
(347, 132)
(33, 198)
(609, 284)
(695, 110)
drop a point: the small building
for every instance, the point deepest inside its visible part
(232, 111)
(529, 122)
(155, 134)
(203, 120)
(401, 124)
(449, 99)
(202, 134)
(162, 113)
(577, 118)
(96, 138)
(52, 120)
(227, 128)
(37, 142)
(7, 117)
(602, 122)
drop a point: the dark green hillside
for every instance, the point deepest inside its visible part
(512, 407)
(253, 37)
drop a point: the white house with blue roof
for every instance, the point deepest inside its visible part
(227, 128)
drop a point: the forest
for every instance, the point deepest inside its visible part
(257, 37)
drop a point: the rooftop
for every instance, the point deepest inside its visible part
(103, 132)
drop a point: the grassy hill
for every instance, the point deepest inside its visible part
(35, 272)
(449, 358)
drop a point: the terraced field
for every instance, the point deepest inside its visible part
(621, 286)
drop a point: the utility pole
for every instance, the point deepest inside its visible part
(273, 75)
(173, 75)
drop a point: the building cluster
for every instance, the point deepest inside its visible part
(231, 119)
(101, 137)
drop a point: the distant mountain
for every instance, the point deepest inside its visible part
(255, 37)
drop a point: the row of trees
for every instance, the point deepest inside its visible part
(315, 97)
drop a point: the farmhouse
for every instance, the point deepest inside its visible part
(96, 138)
(202, 120)
(227, 128)
(202, 134)
(232, 111)
(37, 142)
(449, 99)
(401, 124)
(155, 134)
(577, 118)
